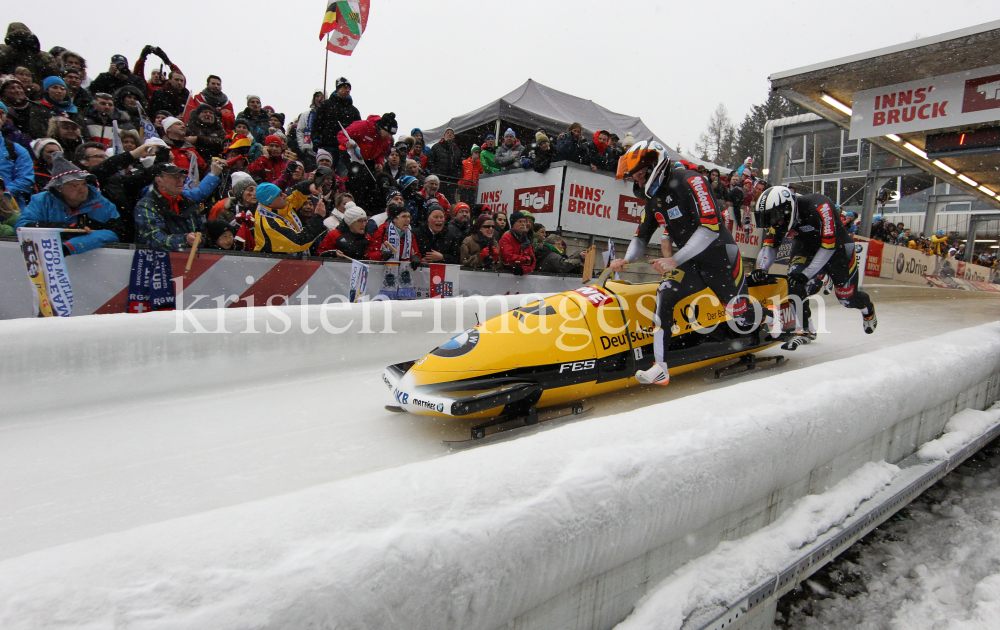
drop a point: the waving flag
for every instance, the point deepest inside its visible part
(344, 23)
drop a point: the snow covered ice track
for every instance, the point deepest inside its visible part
(140, 442)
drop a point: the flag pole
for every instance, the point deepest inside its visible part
(326, 64)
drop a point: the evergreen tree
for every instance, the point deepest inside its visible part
(750, 137)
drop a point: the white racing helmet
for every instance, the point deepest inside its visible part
(647, 153)
(776, 203)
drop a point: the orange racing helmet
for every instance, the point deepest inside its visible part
(647, 153)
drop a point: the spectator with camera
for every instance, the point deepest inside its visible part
(173, 96)
(117, 76)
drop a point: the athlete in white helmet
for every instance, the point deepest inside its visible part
(681, 201)
(820, 244)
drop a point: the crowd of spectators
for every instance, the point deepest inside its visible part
(945, 244)
(151, 161)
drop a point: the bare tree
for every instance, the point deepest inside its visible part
(715, 144)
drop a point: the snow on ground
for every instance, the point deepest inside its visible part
(725, 573)
(470, 540)
(935, 566)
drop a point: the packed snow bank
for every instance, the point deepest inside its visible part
(962, 429)
(937, 567)
(721, 575)
(475, 539)
(194, 349)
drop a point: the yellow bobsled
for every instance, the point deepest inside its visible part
(574, 345)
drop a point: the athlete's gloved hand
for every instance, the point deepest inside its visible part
(758, 276)
(797, 278)
(518, 270)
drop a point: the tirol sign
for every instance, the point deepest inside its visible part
(960, 98)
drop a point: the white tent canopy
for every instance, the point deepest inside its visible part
(534, 105)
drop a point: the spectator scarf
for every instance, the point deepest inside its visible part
(149, 285)
(66, 107)
(393, 236)
(307, 132)
(213, 100)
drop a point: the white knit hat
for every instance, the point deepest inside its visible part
(169, 122)
(353, 213)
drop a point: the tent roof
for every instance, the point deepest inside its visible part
(535, 105)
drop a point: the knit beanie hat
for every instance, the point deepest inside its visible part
(241, 181)
(541, 137)
(354, 213)
(250, 96)
(392, 192)
(415, 131)
(41, 143)
(515, 217)
(394, 209)
(323, 154)
(509, 132)
(64, 171)
(475, 149)
(217, 227)
(388, 122)
(169, 122)
(50, 81)
(266, 193)
(628, 140)
(272, 139)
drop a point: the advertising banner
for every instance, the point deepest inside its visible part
(46, 267)
(522, 189)
(873, 258)
(359, 280)
(597, 203)
(911, 265)
(949, 100)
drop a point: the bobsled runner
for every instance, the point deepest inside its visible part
(574, 345)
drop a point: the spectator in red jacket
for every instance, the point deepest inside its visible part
(214, 96)
(269, 167)
(516, 252)
(367, 142)
(397, 223)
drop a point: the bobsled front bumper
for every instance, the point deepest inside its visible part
(456, 398)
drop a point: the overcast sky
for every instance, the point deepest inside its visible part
(670, 64)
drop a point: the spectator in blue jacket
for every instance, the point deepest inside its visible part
(70, 201)
(16, 168)
(570, 145)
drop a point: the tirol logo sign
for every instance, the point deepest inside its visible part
(982, 93)
(630, 209)
(536, 199)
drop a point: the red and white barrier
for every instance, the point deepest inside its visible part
(100, 281)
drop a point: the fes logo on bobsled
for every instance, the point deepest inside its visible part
(574, 345)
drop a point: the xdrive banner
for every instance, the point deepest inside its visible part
(43, 259)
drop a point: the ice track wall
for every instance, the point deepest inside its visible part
(564, 529)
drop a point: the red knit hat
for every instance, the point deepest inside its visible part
(272, 140)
